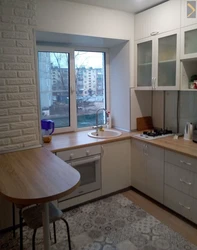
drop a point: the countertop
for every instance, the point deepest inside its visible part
(35, 176)
(178, 145)
(81, 139)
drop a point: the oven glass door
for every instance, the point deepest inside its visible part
(90, 171)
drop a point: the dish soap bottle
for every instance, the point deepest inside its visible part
(108, 120)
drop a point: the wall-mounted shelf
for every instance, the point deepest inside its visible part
(145, 64)
(188, 68)
(168, 61)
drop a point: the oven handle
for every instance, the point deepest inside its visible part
(79, 162)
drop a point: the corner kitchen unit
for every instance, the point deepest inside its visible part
(130, 161)
(98, 162)
(149, 67)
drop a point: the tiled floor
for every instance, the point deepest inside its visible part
(114, 223)
(175, 222)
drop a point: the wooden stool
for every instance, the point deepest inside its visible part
(33, 218)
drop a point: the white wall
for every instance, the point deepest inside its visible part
(188, 109)
(140, 105)
(119, 85)
(19, 127)
(73, 18)
(158, 109)
(80, 19)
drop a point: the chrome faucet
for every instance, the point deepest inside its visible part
(97, 126)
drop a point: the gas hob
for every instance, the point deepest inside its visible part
(154, 134)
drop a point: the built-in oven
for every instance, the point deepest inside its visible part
(87, 161)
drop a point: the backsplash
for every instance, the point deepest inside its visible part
(18, 89)
(188, 109)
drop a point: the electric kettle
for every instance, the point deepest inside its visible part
(188, 132)
(48, 127)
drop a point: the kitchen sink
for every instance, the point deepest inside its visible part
(107, 133)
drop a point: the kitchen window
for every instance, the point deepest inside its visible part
(65, 95)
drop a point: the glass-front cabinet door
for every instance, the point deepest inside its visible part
(144, 64)
(167, 58)
(189, 42)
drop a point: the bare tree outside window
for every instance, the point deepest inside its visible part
(54, 75)
(90, 87)
(55, 87)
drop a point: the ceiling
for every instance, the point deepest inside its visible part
(132, 6)
(76, 40)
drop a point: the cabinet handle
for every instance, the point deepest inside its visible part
(145, 146)
(188, 208)
(188, 183)
(154, 33)
(154, 82)
(102, 151)
(184, 162)
(81, 192)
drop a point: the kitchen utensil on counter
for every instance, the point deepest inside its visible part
(48, 127)
(144, 123)
(188, 131)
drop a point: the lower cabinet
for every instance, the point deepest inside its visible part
(180, 190)
(147, 169)
(180, 203)
(115, 166)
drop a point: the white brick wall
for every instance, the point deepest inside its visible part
(19, 125)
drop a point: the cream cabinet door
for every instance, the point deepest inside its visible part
(165, 17)
(142, 25)
(188, 42)
(144, 64)
(147, 169)
(138, 165)
(6, 214)
(180, 203)
(115, 166)
(162, 18)
(155, 172)
(167, 66)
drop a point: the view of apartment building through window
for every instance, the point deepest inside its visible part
(57, 88)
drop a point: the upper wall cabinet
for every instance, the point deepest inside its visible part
(142, 25)
(167, 57)
(157, 20)
(157, 62)
(188, 13)
(144, 64)
(188, 42)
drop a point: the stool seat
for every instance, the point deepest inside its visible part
(33, 215)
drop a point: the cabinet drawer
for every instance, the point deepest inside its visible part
(79, 153)
(179, 178)
(180, 203)
(181, 160)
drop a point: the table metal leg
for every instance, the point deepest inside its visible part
(45, 218)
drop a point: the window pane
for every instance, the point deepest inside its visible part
(90, 87)
(54, 87)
